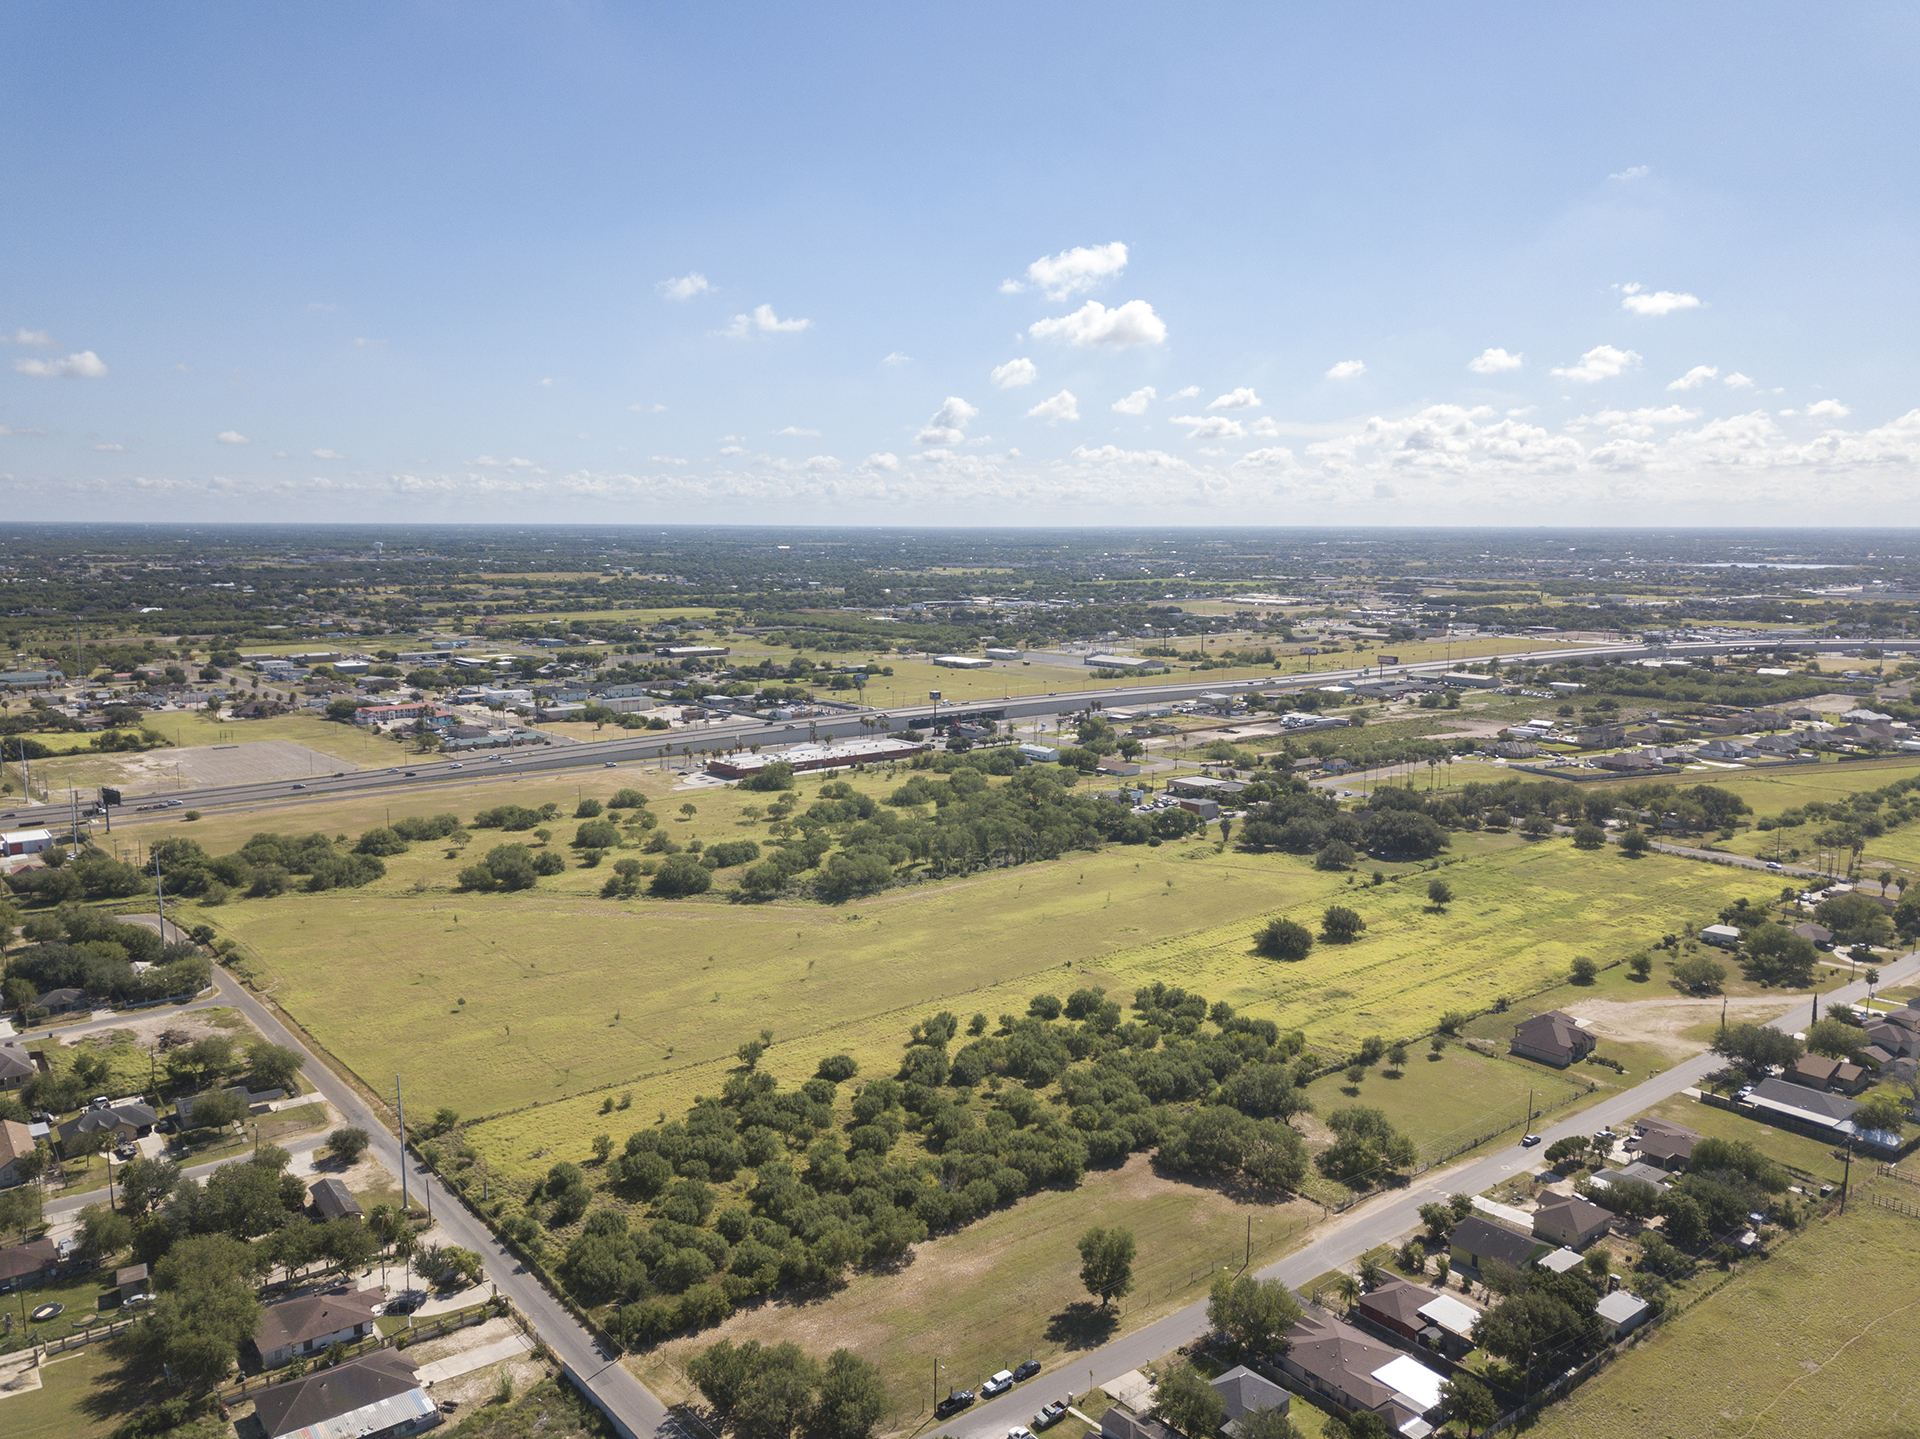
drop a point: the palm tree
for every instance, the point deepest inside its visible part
(1348, 1288)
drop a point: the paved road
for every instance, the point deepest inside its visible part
(596, 1368)
(1378, 1221)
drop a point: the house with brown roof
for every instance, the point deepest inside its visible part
(314, 1323)
(32, 1263)
(1477, 1242)
(1395, 1305)
(372, 1397)
(1570, 1221)
(1554, 1038)
(1665, 1144)
(17, 1066)
(1835, 1076)
(16, 1143)
(1351, 1372)
(333, 1200)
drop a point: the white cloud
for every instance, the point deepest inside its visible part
(1014, 373)
(1668, 415)
(1347, 370)
(1695, 378)
(1094, 325)
(794, 430)
(30, 430)
(1210, 427)
(948, 422)
(1191, 392)
(232, 437)
(111, 449)
(766, 322)
(884, 462)
(488, 462)
(1240, 399)
(821, 465)
(1737, 381)
(647, 409)
(1275, 457)
(1072, 271)
(732, 450)
(1633, 172)
(84, 366)
(686, 287)
(1264, 427)
(328, 455)
(24, 336)
(665, 460)
(896, 358)
(1062, 406)
(1136, 403)
(1492, 362)
(1602, 362)
(1662, 302)
(1827, 410)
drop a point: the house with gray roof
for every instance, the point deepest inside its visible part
(1477, 1242)
(1248, 1393)
(372, 1397)
(1555, 1038)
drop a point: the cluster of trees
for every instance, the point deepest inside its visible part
(510, 866)
(269, 864)
(773, 1392)
(76, 947)
(1395, 824)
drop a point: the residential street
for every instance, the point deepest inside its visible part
(1379, 1220)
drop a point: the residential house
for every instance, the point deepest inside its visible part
(122, 1123)
(1664, 1144)
(1395, 1306)
(16, 1143)
(1248, 1393)
(1726, 749)
(1723, 936)
(1120, 1422)
(1453, 1321)
(333, 1200)
(1568, 1220)
(1836, 1076)
(1628, 761)
(16, 1066)
(60, 1001)
(1817, 934)
(26, 1264)
(1477, 1242)
(247, 1097)
(1351, 1372)
(1804, 1109)
(1897, 1032)
(1776, 746)
(1554, 1038)
(376, 1396)
(309, 1325)
(1622, 1312)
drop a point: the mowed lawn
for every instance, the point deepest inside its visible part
(1818, 1340)
(82, 1394)
(1447, 1101)
(1007, 1288)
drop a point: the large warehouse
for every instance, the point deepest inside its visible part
(816, 756)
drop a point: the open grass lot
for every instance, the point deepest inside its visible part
(80, 1397)
(1799, 1152)
(189, 729)
(1818, 1340)
(88, 1297)
(1007, 1288)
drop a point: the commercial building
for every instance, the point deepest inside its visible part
(962, 662)
(1135, 664)
(26, 841)
(804, 757)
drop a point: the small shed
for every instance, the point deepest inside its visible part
(333, 1200)
(1622, 1312)
(130, 1281)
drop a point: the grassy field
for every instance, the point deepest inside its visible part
(1009, 1289)
(1799, 1152)
(81, 1395)
(1813, 1341)
(190, 729)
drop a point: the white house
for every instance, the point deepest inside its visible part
(26, 841)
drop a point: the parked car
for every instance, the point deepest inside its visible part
(1026, 1370)
(299, 786)
(1051, 1415)
(136, 1301)
(127, 1151)
(1528, 1141)
(1019, 1431)
(952, 1404)
(998, 1384)
(406, 1301)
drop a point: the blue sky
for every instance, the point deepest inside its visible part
(418, 261)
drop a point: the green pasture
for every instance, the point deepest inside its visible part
(1798, 1152)
(82, 1394)
(1812, 1341)
(1008, 1288)
(1449, 1100)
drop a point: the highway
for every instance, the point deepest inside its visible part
(1380, 1220)
(715, 736)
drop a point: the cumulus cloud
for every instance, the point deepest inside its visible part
(1136, 403)
(895, 358)
(1602, 362)
(1633, 172)
(647, 409)
(232, 437)
(328, 455)
(1264, 427)
(111, 449)
(82, 366)
(1347, 370)
(821, 465)
(665, 460)
(1071, 272)
(1695, 378)
(488, 462)
(1737, 381)
(1240, 399)
(1014, 373)
(732, 450)
(766, 322)
(1492, 362)
(948, 423)
(24, 336)
(884, 462)
(686, 287)
(1827, 410)
(1093, 325)
(1062, 406)
(1210, 427)
(794, 430)
(1634, 298)
(1192, 392)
